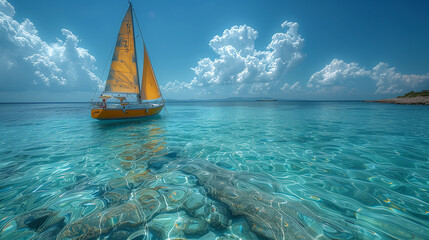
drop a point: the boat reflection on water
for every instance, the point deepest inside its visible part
(132, 143)
(136, 153)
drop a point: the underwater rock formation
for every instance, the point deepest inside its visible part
(195, 199)
(239, 230)
(38, 220)
(177, 226)
(121, 217)
(143, 202)
(122, 212)
(44, 221)
(251, 196)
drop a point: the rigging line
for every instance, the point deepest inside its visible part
(138, 25)
(105, 65)
(165, 107)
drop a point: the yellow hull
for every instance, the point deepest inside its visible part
(105, 114)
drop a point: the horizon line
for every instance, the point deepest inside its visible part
(201, 100)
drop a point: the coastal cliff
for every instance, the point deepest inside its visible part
(411, 98)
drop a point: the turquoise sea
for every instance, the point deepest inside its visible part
(216, 170)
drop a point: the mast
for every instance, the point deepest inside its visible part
(135, 54)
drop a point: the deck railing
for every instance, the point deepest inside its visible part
(127, 105)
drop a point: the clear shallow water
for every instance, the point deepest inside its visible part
(327, 170)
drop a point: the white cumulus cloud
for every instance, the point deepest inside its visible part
(242, 68)
(6, 8)
(387, 80)
(336, 71)
(61, 64)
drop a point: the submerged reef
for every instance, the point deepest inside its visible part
(189, 199)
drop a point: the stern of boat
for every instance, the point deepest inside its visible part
(95, 113)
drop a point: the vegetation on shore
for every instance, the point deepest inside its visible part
(411, 98)
(415, 94)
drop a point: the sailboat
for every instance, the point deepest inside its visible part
(123, 97)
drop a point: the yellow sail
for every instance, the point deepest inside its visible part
(150, 89)
(123, 77)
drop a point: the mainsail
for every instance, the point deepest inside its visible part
(123, 76)
(150, 89)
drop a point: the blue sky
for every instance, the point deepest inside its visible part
(315, 50)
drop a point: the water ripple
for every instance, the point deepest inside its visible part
(327, 170)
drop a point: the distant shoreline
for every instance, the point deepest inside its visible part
(420, 100)
(410, 98)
